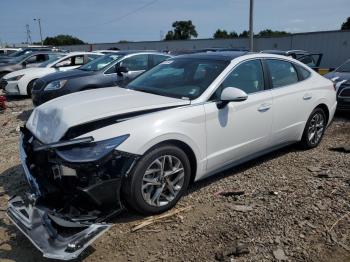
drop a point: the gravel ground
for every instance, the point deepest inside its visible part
(290, 205)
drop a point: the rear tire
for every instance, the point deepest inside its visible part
(314, 129)
(158, 180)
(30, 87)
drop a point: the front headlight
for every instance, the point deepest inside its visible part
(54, 85)
(90, 152)
(15, 78)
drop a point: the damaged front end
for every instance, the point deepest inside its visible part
(75, 188)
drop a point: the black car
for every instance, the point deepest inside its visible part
(117, 68)
(310, 59)
(341, 77)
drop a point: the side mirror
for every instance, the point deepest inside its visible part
(24, 63)
(120, 70)
(231, 94)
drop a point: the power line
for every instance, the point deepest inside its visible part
(125, 15)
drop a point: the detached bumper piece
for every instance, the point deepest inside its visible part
(54, 236)
(69, 203)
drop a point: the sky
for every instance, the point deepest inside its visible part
(100, 21)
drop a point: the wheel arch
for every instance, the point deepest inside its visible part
(188, 151)
(325, 109)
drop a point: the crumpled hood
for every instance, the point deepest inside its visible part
(50, 121)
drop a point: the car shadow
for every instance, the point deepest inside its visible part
(24, 115)
(242, 167)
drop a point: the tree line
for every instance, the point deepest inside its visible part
(183, 30)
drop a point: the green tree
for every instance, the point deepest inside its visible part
(183, 30)
(269, 32)
(245, 33)
(63, 40)
(346, 25)
(224, 34)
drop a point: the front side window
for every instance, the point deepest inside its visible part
(135, 63)
(100, 63)
(282, 73)
(247, 76)
(180, 78)
(36, 59)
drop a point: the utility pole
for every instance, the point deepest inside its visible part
(41, 36)
(29, 38)
(251, 33)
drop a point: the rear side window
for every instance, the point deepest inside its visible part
(282, 73)
(303, 73)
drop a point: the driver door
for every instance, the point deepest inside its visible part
(240, 129)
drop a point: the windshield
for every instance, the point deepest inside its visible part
(344, 67)
(52, 58)
(19, 53)
(101, 63)
(20, 58)
(180, 78)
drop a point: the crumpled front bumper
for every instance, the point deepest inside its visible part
(56, 236)
(37, 224)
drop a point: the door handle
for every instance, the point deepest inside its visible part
(307, 97)
(264, 107)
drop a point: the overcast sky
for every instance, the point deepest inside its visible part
(97, 21)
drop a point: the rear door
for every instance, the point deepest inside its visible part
(291, 98)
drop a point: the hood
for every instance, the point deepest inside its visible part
(50, 121)
(75, 73)
(341, 75)
(33, 70)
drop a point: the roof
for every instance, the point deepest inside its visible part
(286, 52)
(223, 56)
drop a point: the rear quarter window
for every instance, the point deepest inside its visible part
(303, 72)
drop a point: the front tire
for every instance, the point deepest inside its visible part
(158, 181)
(30, 87)
(314, 129)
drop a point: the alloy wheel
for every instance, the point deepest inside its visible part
(316, 128)
(163, 180)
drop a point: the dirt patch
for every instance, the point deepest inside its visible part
(286, 208)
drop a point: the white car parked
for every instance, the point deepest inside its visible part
(87, 154)
(21, 81)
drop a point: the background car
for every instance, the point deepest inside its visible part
(7, 51)
(21, 82)
(341, 77)
(117, 68)
(25, 51)
(32, 59)
(312, 60)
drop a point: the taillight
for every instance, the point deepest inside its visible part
(335, 86)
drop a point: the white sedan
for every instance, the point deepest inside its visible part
(88, 154)
(21, 81)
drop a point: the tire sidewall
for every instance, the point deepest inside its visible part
(30, 87)
(305, 141)
(135, 195)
